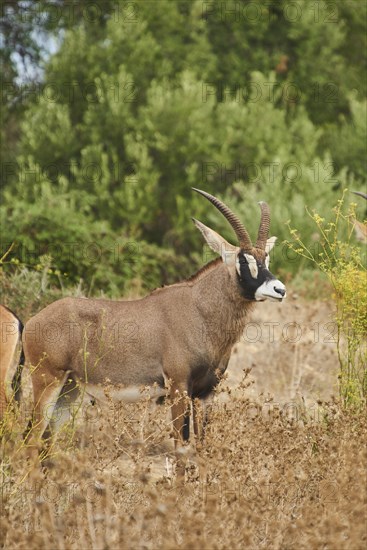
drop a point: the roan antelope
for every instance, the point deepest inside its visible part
(177, 340)
(11, 358)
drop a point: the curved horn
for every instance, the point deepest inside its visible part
(263, 234)
(364, 195)
(242, 235)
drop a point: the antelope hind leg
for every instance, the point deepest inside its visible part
(46, 390)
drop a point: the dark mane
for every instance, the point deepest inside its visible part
(193, 278)
(202, 271)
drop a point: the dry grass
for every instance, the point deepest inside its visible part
(271, 474)
(260, 481)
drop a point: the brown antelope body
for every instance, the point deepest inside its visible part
(11, 334)
(177, 339)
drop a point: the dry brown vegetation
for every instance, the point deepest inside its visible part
(279, 468)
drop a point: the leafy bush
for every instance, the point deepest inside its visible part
(81, 250)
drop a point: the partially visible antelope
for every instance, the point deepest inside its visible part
(10, 358)
(360, 228)
(177, 340)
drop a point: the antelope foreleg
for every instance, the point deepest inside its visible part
(197, 417)
(180, 410)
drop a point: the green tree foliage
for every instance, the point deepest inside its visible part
(28, 28)
(144, 100)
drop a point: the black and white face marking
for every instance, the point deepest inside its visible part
(256, 281)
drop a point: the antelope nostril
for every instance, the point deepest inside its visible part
(280, 291)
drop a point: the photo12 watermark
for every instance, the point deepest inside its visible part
(252, 12)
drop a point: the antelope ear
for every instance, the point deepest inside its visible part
(218, 244)
(269, 244)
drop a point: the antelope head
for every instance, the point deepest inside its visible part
(251, 263)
